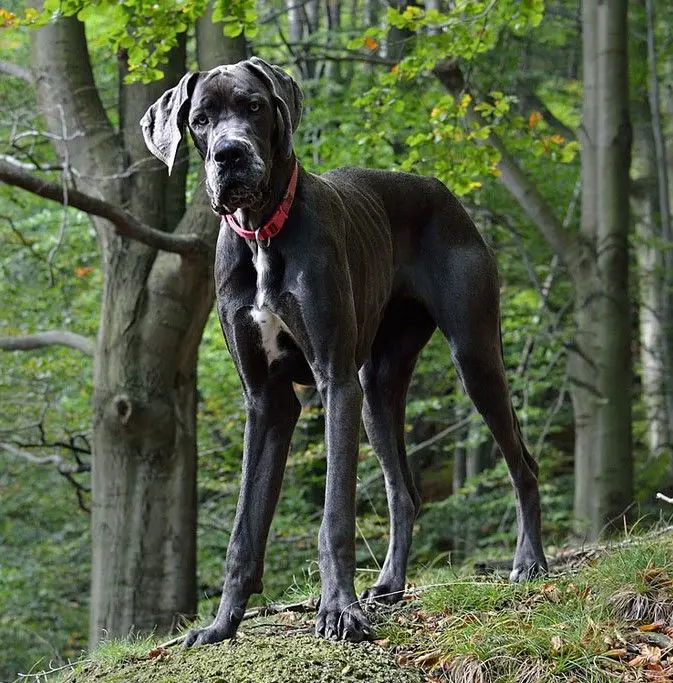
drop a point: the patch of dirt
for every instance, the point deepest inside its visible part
(267, 659)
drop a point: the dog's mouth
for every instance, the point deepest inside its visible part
(236, 196)
(231, 191)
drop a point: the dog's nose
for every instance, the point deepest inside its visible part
(229, 152)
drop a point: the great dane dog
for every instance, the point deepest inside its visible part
(336, 281)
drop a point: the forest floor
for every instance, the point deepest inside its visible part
(604, 614)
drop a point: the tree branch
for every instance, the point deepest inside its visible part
(41, 340)
(535, 101)
(125, 223)
(520, 186)
(17, 72)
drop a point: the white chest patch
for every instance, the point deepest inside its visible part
(270, 326)
(261, 266)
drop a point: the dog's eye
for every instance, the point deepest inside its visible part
(254, 106)
(200, 120)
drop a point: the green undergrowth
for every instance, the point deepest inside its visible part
(586, 625)
(609, 620)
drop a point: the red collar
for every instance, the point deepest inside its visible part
(275, 224)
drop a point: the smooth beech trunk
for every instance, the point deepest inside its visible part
(153, 309)
(599, 359)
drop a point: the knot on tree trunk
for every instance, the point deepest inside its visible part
(123, 407)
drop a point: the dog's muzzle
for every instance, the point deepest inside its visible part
(235, 175)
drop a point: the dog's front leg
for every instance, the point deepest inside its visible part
(272, 412)
(339, 614)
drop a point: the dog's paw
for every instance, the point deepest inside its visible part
(384, 593)
(526, 571)
(214, 633)
(347, 623)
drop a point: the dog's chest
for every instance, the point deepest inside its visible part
(270, 325)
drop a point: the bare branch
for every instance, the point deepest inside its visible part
(65, 469)
(42, 340)
(417, 448)
(25, 455)
(29, 166)
(125, 223)
(17, 72)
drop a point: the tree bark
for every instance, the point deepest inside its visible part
(613, 467)
(153, 310)
(665, 219)
(583, 354)
(651, 285)
(651, 262)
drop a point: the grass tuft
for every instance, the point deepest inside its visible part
(114, 652)
(582, 626)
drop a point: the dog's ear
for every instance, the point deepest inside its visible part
(164, 122)
(287, 96)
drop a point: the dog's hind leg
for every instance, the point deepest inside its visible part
(468, 314)
(404, 331)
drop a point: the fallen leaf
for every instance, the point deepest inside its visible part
(382, 643)
(429, 659)
(556, 644)
(656, 626)
(157, 652)
(590, 633)
(616, 653)
(657, 674)
(649, 655)
(403, 660)
(551, 592)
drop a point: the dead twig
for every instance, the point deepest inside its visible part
(264, 611)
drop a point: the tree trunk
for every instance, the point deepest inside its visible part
(651, 264)
(581, 360)
(144, 467)
(153, 310)
(663, 210)
(613, 470)
(600, 360)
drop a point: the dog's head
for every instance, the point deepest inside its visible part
(241, 118)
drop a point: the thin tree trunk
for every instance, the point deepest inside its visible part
(333, 68)
(581, 360)
(651, 265)
(613, 467)
(664, 218)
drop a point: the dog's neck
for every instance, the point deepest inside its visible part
(253, 219)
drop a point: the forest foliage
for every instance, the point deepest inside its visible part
(377, 83)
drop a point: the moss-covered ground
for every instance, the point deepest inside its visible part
(611, 619)
(278, 658)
